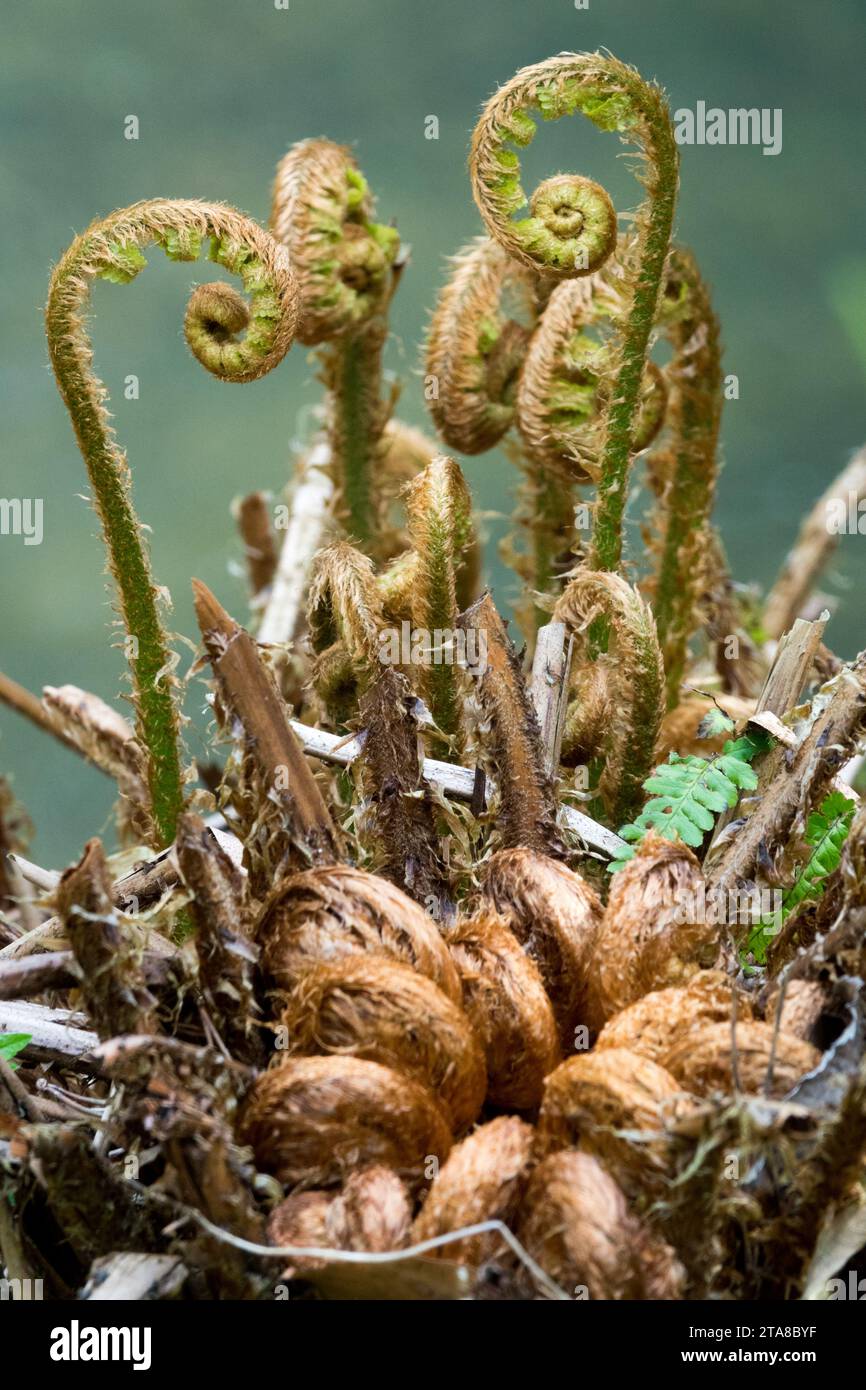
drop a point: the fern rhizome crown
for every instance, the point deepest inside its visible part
(417, 958)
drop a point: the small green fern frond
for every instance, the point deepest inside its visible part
(826, 832)
(690, 792)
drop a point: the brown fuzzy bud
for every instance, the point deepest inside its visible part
(312, 1121)
(617, 1106)
(302, 1219)
(368, 1006)
(555, 916)
(482, 1180)
(704, 1061)
(647, 939)
(575, 1222)
(651, 1025)
(508, 1008)
(371, 1213)
(322, 914)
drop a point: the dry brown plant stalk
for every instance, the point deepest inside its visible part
(400, 818)
(527, 814)
(254, 525)
(814, 546)
(299, 828)
(220, 909)
(797, 784)
(111, 977)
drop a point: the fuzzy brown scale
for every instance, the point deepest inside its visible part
(754, 1057)
(483, 1179)
(667, 1017)
(647, 939)
(371, 1212)
(621, 1108)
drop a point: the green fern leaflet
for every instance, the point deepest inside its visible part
(690, 792)
(826, 830)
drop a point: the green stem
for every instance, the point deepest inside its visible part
(358, 418)
(111, 249)
(695, 412)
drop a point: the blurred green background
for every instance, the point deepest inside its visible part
(220, 90)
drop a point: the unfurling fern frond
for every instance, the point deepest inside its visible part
(690, 792)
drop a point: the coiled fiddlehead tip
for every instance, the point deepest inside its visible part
(630, 699)
(475, 350)
(215, 314)
(615, 98)
(322, 212)
(565, 384)
(571, 229)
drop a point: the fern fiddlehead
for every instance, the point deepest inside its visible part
(571, 229)
(475, 348)
(111, 249)
(439, 516)
(629, 701)
(323, 213)
(566, 380)
(687, 491)
(562, 401)
(344, 617)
